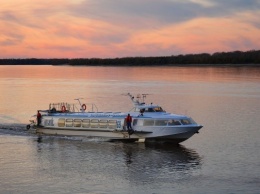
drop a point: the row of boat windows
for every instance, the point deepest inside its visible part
(112, 124)
(87, 123)
(162, 122)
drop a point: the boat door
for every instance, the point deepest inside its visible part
(124, 124)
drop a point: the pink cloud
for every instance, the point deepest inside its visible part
(86, 29)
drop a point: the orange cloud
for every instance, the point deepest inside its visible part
(201, 35)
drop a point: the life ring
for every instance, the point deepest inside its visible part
(84, 107)
(63, 108)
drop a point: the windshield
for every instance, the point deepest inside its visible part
(158, 109)
(150, 109)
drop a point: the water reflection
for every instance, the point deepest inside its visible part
(162, 153)
(147, 163)
(95, 165)
(134, 163)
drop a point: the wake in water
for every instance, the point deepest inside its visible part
(22, 130)
(14, 128)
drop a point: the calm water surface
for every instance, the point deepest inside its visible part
(222, 158)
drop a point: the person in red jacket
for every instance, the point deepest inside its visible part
(129, 122)
(39, 118)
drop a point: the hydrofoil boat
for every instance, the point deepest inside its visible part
(149, 123)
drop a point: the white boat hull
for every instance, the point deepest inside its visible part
(164, 135)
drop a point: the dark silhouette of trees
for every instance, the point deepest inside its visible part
(234, 58)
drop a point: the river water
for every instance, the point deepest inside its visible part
(223, 158)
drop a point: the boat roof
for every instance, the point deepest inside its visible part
(141, 109)
(147, 106)
(92, 115)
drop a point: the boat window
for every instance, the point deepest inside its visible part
(69, 122)
(186, 121)
(138, 122)
(112, 124)
(136, 110)
(85, 123)
(77, 123)
(61, 122)
(192, 121)
(134, 122)
(103, 123)
(158, 109)
(173, 122)
(149, 110)
(161, 122)
(94, 123)
(148, 122)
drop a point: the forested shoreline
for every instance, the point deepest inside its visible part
(235, 58)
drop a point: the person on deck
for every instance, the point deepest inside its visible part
(39, 118)
(128, 123)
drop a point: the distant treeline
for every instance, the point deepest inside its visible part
(204, 59)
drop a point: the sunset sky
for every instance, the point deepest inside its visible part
(122, 28)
